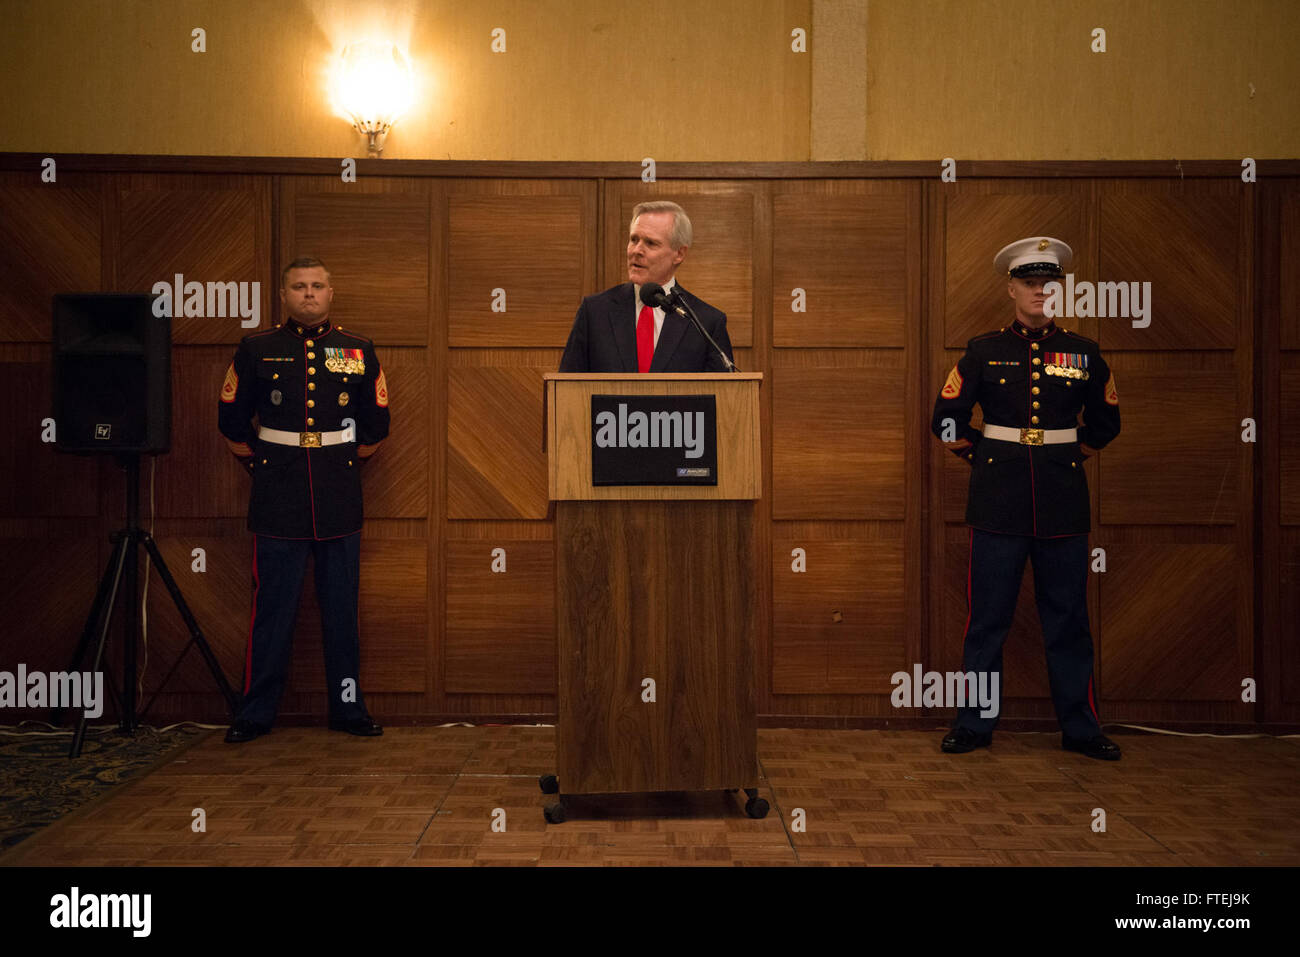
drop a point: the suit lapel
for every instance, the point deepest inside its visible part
(622, 326)
(669, 337)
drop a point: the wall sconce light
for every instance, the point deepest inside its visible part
(373, 87)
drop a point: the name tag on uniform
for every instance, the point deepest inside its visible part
(277, 358)
(1000, 362)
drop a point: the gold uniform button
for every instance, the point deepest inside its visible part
(1033, 419)
(345, 378)
(311, 421)
(312, 385)
(990, 461)
(1074, 465)
(1035, 375)
(349, 462)
(311, 355)
(1037, 361)
(275, 375)
(1035, 404)
(263, 461)
(311, 403)
(1002, 382)
(311, 370)
(309, 342)
(1035, 388)
(1034, 346)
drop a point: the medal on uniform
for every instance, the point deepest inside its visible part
(276, 397)
(1067, 365)
(351, 361)
(343, 398)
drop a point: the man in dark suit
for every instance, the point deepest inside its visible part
(615, 332)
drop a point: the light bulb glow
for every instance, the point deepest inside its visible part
(373, 84)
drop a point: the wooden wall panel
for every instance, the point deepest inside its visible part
(46, 589)
(976, 226)
(396, 478)
(1288, 638)
(496, 465)
(1289, 280)
(855, 477)
(500, 625)
(375, 240)
(220, 599)
(839, 626)
(394, 617)
(1290, 447)
(1169, 629)
(719, 268)
(1199, 472)
(836, 450)
(199, 478)
(846, 245)
(171, 225)
(50, 240)
(539, 249)
(39, 480)
(1188, 248)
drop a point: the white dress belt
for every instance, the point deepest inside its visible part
(307, 440)
(1031, 436)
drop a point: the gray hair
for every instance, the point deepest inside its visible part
(682, 233)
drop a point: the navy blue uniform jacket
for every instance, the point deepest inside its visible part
(298, 492)
(1026, 379)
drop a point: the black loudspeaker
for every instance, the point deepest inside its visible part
(112, 373)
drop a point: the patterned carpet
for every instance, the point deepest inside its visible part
(39, 783)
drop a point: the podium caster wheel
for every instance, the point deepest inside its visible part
(756, 807)
(549, 784)
(554, 813)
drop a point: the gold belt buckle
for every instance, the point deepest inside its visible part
(1031, 436)
(309, 440)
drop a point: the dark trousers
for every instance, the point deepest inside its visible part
(279, 566)
(997, 565)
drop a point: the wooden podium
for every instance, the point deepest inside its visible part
(654, 583)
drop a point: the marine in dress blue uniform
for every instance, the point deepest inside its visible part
(1028, 497)
(321, 403)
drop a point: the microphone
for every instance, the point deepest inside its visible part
(653, 295)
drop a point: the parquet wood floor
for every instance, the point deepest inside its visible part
(428, 796)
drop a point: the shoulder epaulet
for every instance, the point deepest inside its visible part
(1067, 332)
(257, 335)
(987, 335)
(352, 335)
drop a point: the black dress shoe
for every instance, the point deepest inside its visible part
(364, 727)
(961, 740)
(242, 731)
(1100, 747)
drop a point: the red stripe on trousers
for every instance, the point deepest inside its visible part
(252, 617)
(970, 559)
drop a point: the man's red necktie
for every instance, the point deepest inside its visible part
(645, 338)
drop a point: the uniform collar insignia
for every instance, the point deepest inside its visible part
(304, 332)
(1025, 332)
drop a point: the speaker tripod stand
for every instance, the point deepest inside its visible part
(122, 575)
